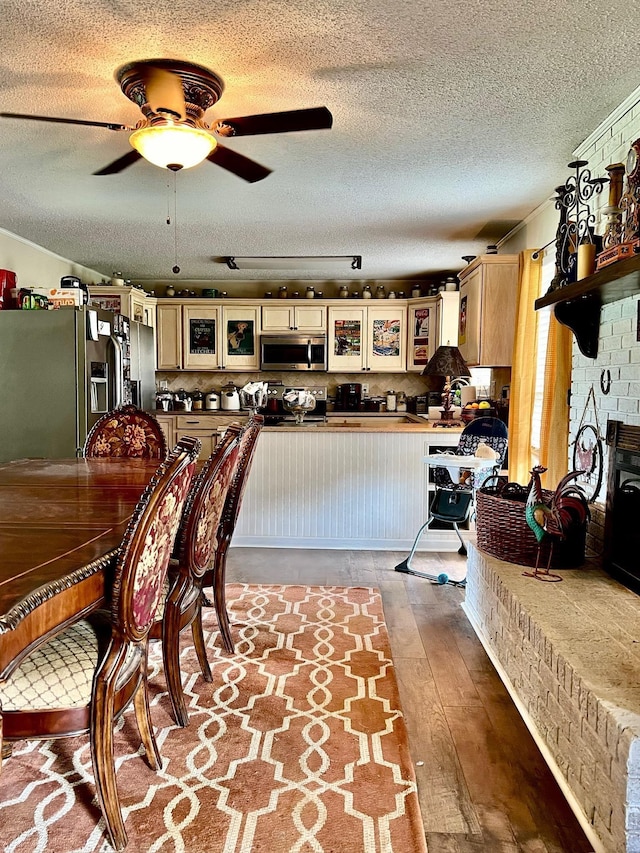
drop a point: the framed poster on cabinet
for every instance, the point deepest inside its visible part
(241, 339)
(462, 330)
(348, 338)
(385, 342)
(202, 336)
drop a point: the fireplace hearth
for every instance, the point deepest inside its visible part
(622, 518)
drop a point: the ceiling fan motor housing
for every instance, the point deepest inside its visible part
(202, 88)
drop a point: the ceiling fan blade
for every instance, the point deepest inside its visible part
(121, 163)
(108, 124)
(164, 91)
(316, 118)
(238, 164)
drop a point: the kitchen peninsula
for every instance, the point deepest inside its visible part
(354, 481)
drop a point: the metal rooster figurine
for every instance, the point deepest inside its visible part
(553, 518)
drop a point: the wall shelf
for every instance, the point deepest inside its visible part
(578, 305)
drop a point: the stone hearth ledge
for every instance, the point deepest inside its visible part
(569, 655)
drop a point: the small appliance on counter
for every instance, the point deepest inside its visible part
(349, 397)
(182, 402)
(229, 398)
(164, 400)
(212, 401)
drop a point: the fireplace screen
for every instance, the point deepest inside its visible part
(622, 520)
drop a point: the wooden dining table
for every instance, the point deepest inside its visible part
(61, 525)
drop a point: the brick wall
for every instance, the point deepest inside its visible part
(618, 348)
(568, 655)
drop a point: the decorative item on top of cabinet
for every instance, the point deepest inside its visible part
(192, 337)
(301, 318)
(487, 316)
(367, 338)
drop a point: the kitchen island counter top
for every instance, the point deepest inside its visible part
(381, 423)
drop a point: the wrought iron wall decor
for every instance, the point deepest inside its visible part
(587, 452)
(577, 221)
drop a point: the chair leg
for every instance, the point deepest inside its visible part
(405, 565)
(143, 718)
(219, 597)
(198, 641)
(463, 548)
(171, 663)
(104, 771)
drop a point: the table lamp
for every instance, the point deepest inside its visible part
(447, 361)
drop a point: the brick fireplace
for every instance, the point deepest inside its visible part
(569, 654)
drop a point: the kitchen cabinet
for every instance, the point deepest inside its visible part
(299, 318)
(133, 302)
(487, 316)
(166, 423)
(433, 321)
(204, 337)
(368, 338)
(207, 428)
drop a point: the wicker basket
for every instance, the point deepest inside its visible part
(503, 532)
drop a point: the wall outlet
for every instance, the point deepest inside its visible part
(365, 389)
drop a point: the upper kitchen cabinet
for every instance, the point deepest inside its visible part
(299, 318)
(197, 337)
(487, 316)
(432, 321)
(367, 338)
(133, 302)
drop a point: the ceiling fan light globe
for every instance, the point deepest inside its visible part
(173, 146)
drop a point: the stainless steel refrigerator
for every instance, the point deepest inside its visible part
(61, 370)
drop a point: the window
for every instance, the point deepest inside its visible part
(548, 271)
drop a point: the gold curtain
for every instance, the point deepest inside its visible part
(523, 368)
(554, 430)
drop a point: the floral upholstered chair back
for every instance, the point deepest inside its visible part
(197, 538)
(126, 432)
(248, 442)
(147, 546)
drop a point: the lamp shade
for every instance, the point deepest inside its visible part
(173, 146)
(446, 361)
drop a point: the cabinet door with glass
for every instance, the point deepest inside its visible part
(422, 333)
(346, 343)
(200, 347)
(240, 336)
(386, 338)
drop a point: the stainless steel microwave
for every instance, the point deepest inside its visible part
(293, 352)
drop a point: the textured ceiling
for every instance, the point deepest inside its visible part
(452, 121)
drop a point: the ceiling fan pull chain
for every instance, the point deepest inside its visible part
(176, 268)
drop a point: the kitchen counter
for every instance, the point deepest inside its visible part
(335, 421)
(379, 423)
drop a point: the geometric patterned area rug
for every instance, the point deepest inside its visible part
(298, 745)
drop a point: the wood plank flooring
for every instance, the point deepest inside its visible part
(482, 783)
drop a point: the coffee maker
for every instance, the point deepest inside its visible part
(349, 397)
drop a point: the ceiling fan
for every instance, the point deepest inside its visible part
(173, 96)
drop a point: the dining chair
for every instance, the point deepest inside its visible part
(128, 432)
(196, 542)
(216, 578)
(83, 678)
